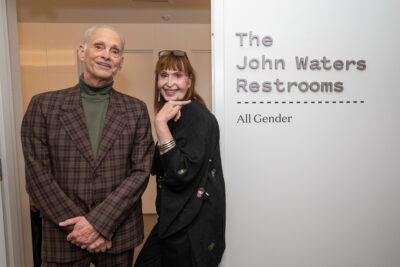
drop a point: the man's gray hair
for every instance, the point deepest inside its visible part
(89, 31)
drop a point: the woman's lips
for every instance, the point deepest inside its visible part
(170, 92)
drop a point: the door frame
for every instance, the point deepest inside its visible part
(14, 208)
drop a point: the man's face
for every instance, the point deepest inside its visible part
(102, 57)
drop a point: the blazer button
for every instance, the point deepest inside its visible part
(96, 175)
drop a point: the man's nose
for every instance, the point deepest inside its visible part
(106, 54)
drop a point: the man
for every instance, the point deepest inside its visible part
(88, 152)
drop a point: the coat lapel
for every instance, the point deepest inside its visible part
(74, 122)
(114, 124)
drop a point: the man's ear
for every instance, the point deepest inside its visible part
(121, 63)
(81, 53)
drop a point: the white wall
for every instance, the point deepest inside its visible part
(324, 189)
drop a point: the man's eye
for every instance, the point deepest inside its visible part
(115, 51)
(98, 46)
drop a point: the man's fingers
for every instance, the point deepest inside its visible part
(94, 245)
(71, 236)
(76, 243)
(69, 221)
(109, 244)
(100, 245)
(97, 243)
(76, 239)
(103, 248)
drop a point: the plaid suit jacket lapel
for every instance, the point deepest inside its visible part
(74, 122)
(114, 124)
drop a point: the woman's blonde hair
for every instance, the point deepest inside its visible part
(176, 63)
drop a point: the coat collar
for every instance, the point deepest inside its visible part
(74, 122)
(73, 100)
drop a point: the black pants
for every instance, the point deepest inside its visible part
(173, 251)
(36, 227)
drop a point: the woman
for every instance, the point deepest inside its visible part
(190, 186)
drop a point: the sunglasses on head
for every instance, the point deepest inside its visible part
(178, 53)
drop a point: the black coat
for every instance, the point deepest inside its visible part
(190, 184)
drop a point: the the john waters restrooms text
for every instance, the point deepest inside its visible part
(263, 63)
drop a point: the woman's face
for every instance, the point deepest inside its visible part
(173, 85)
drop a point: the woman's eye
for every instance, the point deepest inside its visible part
(163, 75)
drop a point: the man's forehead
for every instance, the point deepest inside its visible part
(105, 35)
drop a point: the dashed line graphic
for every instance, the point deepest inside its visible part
(303, 102)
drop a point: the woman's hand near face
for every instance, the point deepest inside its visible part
(170, 110)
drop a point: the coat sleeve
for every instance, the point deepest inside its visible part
(41, 186)
(183, 163)
(128, 194)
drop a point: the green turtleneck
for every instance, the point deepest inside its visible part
(95, 104)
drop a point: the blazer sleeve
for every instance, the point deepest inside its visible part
(183, 163)
(119, 203)
(44, 190)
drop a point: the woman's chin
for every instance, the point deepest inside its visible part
(173, 98)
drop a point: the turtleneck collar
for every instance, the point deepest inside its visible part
(94, 91)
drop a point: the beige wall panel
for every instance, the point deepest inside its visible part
(201, 62)
(64, 35)
(136, 79)
(137, 36)
(149, 196)
(136, 76)
(62, 60)
(32, 44)
(172, 36)
(33, 57)
(32, 35)
(33, 82)
(200, 36)
(60, 80)
(61, 48)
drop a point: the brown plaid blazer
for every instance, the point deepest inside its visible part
(65, 181)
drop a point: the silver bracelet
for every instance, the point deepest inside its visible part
(166, 145)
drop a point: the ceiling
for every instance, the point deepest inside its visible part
(115, 11)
